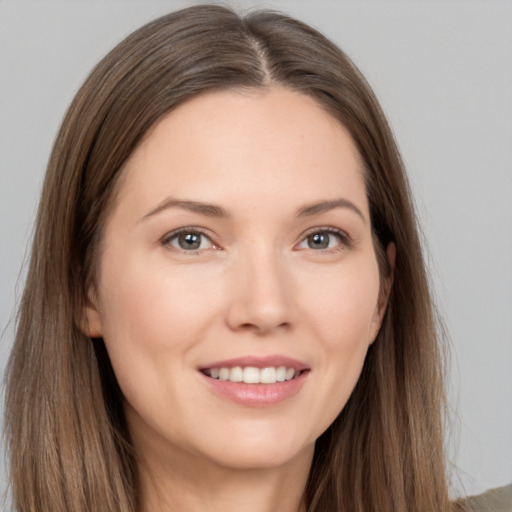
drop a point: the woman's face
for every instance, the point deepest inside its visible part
(239, 248)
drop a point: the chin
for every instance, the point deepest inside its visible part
(262, 450)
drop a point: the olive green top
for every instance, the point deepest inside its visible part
(495, 500)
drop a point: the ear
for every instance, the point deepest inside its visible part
(385, 290)
(90, 323)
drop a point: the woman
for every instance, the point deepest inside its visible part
(226, 304)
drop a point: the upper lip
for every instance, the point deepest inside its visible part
(258, 362)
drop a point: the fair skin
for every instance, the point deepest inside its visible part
(274, 266)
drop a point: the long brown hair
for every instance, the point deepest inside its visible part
(69, 446)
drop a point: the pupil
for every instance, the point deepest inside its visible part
(318, 241)
(189, 241)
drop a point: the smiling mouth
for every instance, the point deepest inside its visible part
(253, 375)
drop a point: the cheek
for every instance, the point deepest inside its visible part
(153, 303)
(343, 316)
(344, 309)
(153, 320)
(150, 316)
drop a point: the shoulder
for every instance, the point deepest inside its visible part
(495, 500)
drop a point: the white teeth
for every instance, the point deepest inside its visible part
(281, 374)
(236, 374)
(252, 375)
(268, 375)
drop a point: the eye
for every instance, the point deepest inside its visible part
(324, 239)
(188, 240)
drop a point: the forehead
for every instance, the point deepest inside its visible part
(268, 141)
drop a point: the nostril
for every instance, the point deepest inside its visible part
(263, 328)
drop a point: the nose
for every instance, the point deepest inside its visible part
(261, 296)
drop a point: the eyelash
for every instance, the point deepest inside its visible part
(166, 240)
(345, 240)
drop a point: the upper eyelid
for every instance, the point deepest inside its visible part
(195, 229)
(188, 229)
(345, 241)
(327, 229)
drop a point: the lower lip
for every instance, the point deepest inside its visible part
(257, 395)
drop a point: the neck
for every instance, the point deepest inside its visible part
(196, 486)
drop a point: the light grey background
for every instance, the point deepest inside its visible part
(443, 73)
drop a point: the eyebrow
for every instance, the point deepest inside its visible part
(212, 210)
(325, 206)
(208, 210)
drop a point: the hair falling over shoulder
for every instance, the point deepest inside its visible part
(68, 443)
